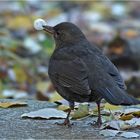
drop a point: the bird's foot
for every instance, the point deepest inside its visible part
(65, 123)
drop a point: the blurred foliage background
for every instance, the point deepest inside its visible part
(114, 26)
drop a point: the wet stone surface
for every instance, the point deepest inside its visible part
(12, 126)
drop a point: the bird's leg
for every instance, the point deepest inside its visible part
(99, 120)
(67, 121)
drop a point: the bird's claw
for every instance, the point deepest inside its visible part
(65, 123)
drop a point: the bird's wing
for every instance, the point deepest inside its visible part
(110, 68)
(71, 74)
(113, 71)
(106, 81)
(104, 85)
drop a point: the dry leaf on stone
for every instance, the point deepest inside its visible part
(12, 104)
(130, 113)
(129, 124)
(111, 125)
(109, 117)
(111, 107)
(125, 126)
(125, 117)
(54, 97)
(46, 113)
(63, 107)
(129, 135)
(109, 133)
(82, 111)
(136, 114)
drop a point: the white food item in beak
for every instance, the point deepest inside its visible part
(39, 23)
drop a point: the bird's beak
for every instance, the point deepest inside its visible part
(48, 29)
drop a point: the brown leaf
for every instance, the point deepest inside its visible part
(42, 97)
(12, 104)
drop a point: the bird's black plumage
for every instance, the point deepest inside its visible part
(80, 72)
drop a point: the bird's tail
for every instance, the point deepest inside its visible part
(117, 96)
(130, 100)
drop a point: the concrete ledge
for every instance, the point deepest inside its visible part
(12, 126)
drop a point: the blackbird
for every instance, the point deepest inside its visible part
(80, 72)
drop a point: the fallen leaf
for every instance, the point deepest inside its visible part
(82, 111)
(130, 113)
(111, 125)
(131, 33)
(12, 104)
(108, 132)
(111, 107)
(55, 97)
(106, 119)
(46, 113)
(129, 124)
(20, 73)
(63, 107)
(124, 126)
(41, 96)
(42, 86)
(129, 135)
(125, 117)
(136, 114)
(17, 22)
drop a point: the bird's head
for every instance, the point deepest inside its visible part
(64, 33)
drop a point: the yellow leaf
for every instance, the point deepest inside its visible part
(19, 22)
(20, 74)
(55, 97)
(136, 114)
(12, 104)
(63, 107)
(83, 110)
(42, 86)
(112, 107)
(134, 111)
(131, 33)
(126, 117)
